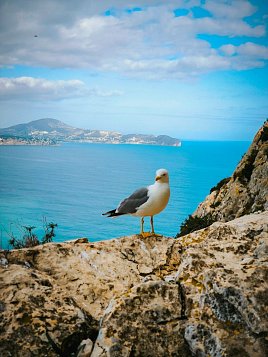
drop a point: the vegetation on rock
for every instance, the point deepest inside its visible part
(220, 184)
(30, 239)
(194, 223)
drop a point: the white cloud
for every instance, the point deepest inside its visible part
(237, 9)
(152, 42)
(248, 49)
(228, 50)
(180, 68)
(248, 55)
(253, 50)
(42, 89)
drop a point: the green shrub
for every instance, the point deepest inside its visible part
(194, 223)
(220, 184)
(30, 239)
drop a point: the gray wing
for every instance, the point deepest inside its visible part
(133, 202)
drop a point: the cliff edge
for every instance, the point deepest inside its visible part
(246, 191)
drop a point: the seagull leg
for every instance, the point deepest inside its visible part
(142, 223)
(144, 234)
(152, 224)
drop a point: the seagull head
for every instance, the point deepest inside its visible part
(161, 176)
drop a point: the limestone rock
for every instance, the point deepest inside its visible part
(247, 190)
(144, 322)
(53, 296)
(203, 294)
(37, 316)
(224, 273)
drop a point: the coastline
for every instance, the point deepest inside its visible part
(16, 142)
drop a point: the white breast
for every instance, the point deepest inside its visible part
(158, 199)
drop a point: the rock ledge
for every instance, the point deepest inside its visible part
(204, 294)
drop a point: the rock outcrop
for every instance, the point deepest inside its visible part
(204, 294)
(247, 190)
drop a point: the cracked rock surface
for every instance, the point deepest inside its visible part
(204, 294)
(143, 322)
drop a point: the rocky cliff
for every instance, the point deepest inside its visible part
(204, 294)
(247, 190)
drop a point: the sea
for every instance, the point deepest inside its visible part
(74, 183)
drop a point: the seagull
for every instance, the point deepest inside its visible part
(146, 201)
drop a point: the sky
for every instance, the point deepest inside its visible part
(194, 70)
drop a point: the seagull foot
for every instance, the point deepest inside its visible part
(147, 234)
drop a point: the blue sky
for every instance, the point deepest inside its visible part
(186, 68)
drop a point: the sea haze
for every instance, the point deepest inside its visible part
(73, 184)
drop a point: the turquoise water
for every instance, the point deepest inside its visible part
(73, 184)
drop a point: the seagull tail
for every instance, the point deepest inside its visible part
(112, 213)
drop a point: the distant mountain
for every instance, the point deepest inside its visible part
(58, 131)
(44, 127)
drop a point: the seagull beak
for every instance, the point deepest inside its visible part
(157, 178)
